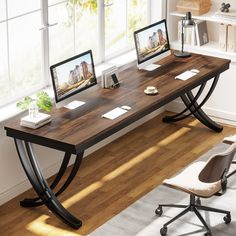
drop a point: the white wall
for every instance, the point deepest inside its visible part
(13, 179)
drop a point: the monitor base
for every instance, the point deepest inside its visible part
(150, 67)
(74, 104)
(182, 54)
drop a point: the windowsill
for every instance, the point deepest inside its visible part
(122, 62)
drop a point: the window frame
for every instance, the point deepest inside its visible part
(45, 28)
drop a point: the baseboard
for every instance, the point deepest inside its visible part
(53, 169)
(220, 116)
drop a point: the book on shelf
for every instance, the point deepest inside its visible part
(201, 32)
(223, 33)
(35, 122)
(231, 38)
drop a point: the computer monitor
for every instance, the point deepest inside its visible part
(152, 44)
(70, 77)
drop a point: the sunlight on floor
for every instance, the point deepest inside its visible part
(118, 171)
(121, 169)
(83, 193)
(128, 165)
(39, 226)
(177, 134)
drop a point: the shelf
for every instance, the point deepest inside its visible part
(210, 16)
(210, 49)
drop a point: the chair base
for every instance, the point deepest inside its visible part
(194, 206)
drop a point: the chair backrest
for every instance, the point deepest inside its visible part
(218, 165)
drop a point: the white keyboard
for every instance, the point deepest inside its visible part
(111, 115)
(187, 74)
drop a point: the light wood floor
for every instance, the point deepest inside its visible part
(115, 176)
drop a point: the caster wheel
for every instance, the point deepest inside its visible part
(163, 231)
(208, 234)
(227, 219)
(159, 211)
(198, 201)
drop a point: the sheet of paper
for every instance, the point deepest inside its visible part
(185, 75)
(114, 113)
(74, 104)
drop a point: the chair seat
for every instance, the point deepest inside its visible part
(189, 182)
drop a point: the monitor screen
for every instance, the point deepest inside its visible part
(151, 41)
(73, 75)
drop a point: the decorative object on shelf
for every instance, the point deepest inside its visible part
(186, 21)
(201, 32)
(231, 38)
(227, 38)
(42, 101)
(197, 7)
(223, 32)
(225, 7)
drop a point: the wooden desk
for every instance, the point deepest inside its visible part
(73, 131)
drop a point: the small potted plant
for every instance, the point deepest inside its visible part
(42, 101)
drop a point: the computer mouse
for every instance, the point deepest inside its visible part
(195, 70)
(126, 107)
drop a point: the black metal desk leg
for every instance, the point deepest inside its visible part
(34, 202)
(202, 116)
(40, 185)
(194, 108)
(182, 115)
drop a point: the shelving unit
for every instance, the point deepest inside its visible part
(213, 21)
(210, 49)
(210, 17)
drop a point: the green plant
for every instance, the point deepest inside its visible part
(43, 101)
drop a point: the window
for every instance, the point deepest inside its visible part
(122, 18)
(36, 34)
(20, 49)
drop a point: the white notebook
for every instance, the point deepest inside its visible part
(114, 113)
(41, 117)
(35, 122)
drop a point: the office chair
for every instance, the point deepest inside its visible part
(201, 180)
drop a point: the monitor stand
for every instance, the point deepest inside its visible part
(150, 67)
(74, 104)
